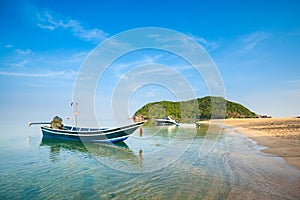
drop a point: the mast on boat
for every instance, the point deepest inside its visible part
(75, 112)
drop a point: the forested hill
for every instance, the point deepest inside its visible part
(201, 108)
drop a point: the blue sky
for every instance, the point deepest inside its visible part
(255, 45)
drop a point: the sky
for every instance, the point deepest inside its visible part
(255, 46)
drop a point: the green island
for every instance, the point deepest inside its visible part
(208, 107)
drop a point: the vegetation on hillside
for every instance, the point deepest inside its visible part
(196, 109)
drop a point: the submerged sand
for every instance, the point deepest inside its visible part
(261, 176)
(280, 135)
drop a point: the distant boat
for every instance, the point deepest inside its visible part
(73, 133)
(167, 121)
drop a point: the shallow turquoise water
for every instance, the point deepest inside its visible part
(166, 163)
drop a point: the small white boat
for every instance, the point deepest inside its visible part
(167, 121)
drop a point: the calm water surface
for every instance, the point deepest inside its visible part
(166, 163)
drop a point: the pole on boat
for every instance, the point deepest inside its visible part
(75, 112)
(37, 123)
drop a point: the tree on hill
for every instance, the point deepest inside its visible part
(196, 109)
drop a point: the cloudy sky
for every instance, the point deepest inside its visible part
(254, 44)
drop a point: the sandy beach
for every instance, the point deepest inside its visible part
(281, 136)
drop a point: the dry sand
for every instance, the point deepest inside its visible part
(280, 135)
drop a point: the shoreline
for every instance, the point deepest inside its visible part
(280, 136)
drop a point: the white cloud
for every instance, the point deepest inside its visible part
(90, 35)
(23, 52)
(51, 22)
(153, 35)
(20, 64)
(64, 74)
(121, 67)
(254, 39)
(77, 58)
(208, 45)
(25, 63)
(151, 59)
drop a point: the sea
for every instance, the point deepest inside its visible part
(156, 162)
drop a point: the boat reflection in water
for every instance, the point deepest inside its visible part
(107, 152)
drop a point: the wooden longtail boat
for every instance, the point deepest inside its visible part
(73, 133)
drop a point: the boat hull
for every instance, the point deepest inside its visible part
(91, 135)
(162, 122)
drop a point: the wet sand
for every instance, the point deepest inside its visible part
(260, 175)
(281, 136)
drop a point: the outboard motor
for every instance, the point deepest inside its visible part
(56, 123)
